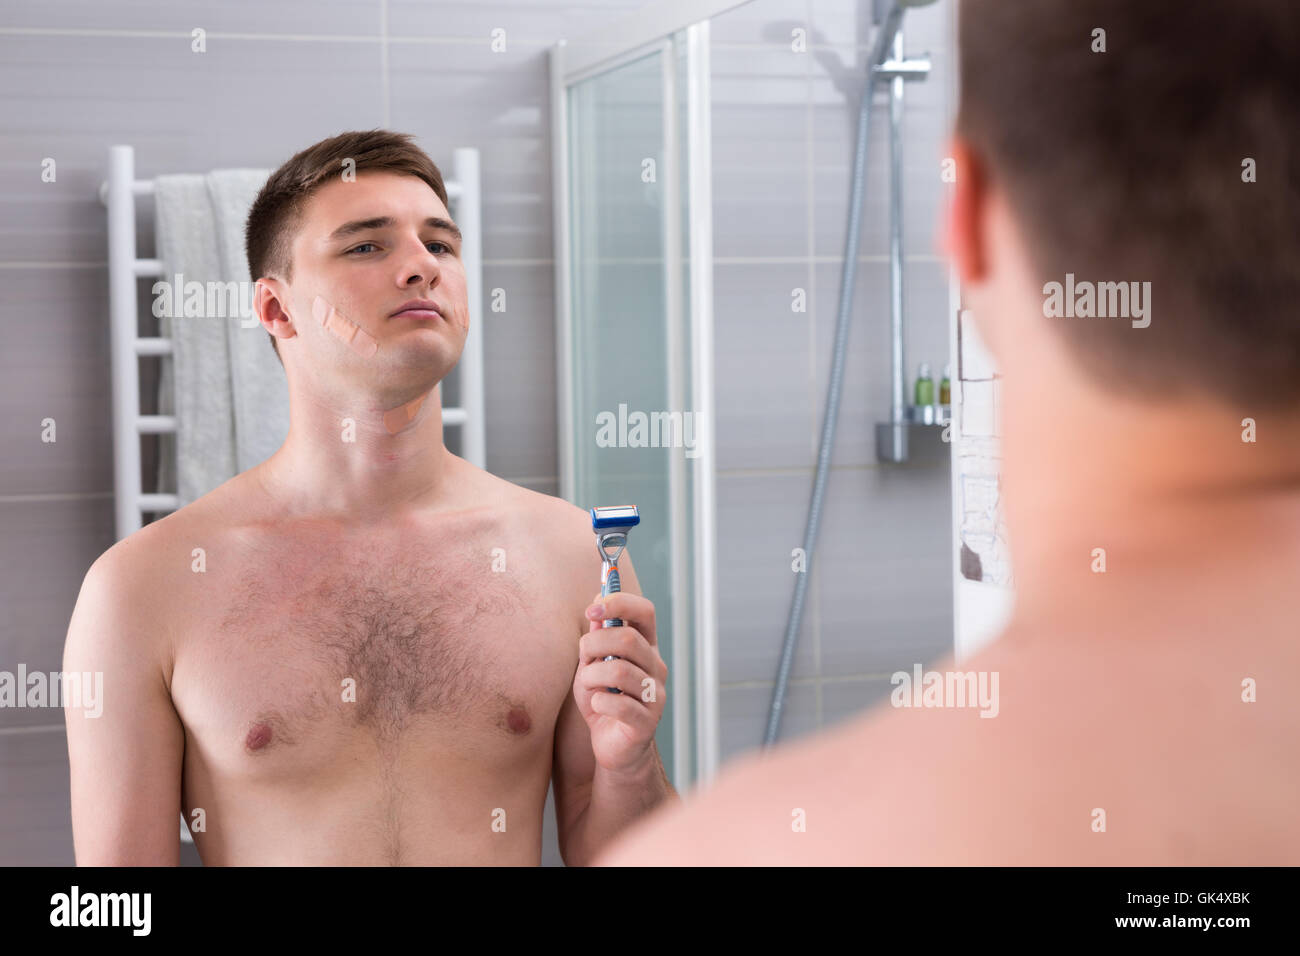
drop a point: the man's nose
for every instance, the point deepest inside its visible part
(420, 266)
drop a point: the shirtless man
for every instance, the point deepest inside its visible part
(364, 650)
(1149, 692)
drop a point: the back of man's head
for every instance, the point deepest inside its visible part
(1152, 141)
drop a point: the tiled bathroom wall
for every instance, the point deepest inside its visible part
(785, 115)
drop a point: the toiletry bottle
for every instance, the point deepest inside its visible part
(945, 387)
(924, 386)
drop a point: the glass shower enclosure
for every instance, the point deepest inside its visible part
(633, 241)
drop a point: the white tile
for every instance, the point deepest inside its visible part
(976, 360)
(978, 412)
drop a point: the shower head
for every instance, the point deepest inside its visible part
(889, 25)
(883, 7)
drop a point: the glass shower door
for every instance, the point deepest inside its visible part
(632, 427)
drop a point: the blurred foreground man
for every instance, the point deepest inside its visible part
(1124, 222)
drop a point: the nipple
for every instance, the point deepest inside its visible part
(518, 721)
(259, 735)
(343, 328)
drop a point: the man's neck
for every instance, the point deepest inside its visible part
(1123, 509)
(367, 462)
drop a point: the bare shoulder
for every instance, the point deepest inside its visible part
(147, 569)
(560, 530)
(560, 520)
(125, 607)
(564, 527)
(167, 543)
(874, 790)
(1090, 760)
(147, 556)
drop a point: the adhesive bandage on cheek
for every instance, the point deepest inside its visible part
(347, 331)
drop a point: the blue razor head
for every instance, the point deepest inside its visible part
(619, 516)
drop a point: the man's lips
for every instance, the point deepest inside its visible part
(418, 309)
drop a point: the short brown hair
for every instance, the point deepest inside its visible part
(1128, 165)
(276, 213)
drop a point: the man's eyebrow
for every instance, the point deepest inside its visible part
(386, 222)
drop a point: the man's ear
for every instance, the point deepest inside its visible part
(965, 225)
(269, 295)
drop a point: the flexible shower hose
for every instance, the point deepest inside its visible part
(842, 323)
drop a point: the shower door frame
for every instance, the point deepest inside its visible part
(661, 29)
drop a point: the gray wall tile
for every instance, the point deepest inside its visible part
(760, 522)
(886, 569)
(55, 364)
(744, 718)
(315, 17)
(36, 822)
(847, 700)
(519, 368)
(880, 590)
(48, 546)
(763, 358)
(527, 21)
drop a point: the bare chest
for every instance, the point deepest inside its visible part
(306, 659)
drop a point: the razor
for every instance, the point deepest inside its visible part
(611, 525)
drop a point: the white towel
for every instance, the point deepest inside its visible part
(223, 383)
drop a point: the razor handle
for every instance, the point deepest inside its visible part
(609, 584)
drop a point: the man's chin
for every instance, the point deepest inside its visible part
(420, 348)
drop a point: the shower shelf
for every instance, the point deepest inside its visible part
(928, 414)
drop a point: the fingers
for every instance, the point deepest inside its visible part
(626, 709)
(633, 610)
(625, 642)
(626, 676)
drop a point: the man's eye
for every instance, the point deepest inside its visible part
(432, 242)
